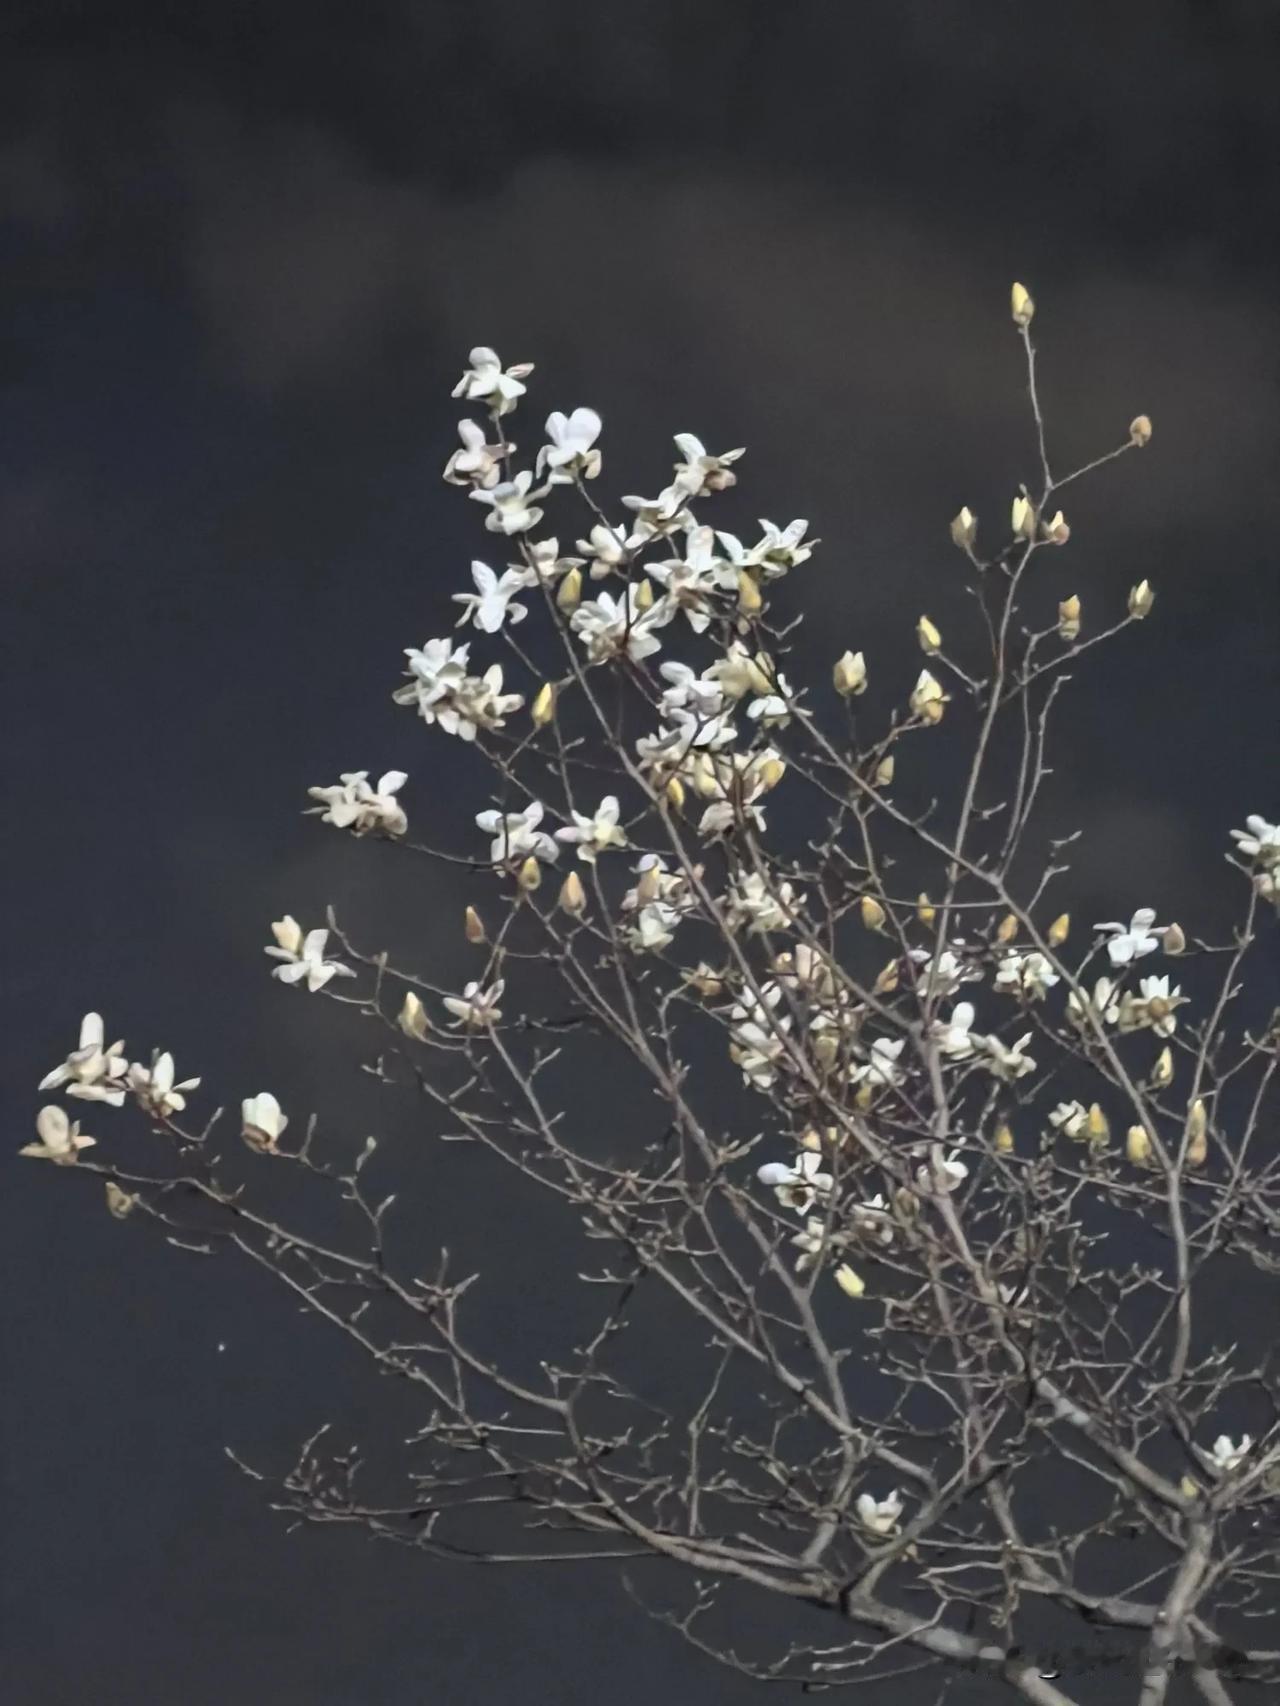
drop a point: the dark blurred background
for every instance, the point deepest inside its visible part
(245, 250)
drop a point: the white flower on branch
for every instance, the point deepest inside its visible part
(155, 1088)
(739, 672)
(699, 695)
(486, 381)
(780, 549)
(690, 581)
(953, 1035)
(653, 928)
(476, 1006)
(740, 780)
(353, 804)
(445, 694)
(816, 1238)
(303, 955)
(1227, 1454)
(942, 972)
(508, 502)
(944, 1173)
(757, 1036)
(881, 1069)
(872, 1221)
(1259, 841)
(570, 450)
(611, 626)
(516, 835)
(60, 1139)
(1029, 975)
(663, 514)
(1007, 1061)
(799, 1185)
(546, 565)
(1155, 1006)
(1070, 1118)
(608, 547)
(91, 1072)
(262, 1122)
(597, 833)
(879, 1516)
(1131, 941)
(759, 905)
(477, 463)
(1102, 1003)
(701, 472)
(490, 605)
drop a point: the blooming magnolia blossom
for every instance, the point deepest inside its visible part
(882, 1067)
(761, 905)
(545, 564)
(942, 972)
(262, 1122)
(516, 835)
(60, 1139)
(952, 1035)
(659, 883)
(490, 605)
(816, 1238)
(1227, 1454)
(1008, 1062)
(1101, 1003)
(510, 510)
(477, 463)
(1028, 975)
(91, 1072)
(155, 1088)
(777, 551)
(879, 1516)
(1131, 941)
(686, 690)
(596, 833)
(476, 1006)
(486, 381)
(570, 450)
(872, 1220)
(1154, 1006)
(757, 1037)
(608, 547)
(799, 1185)
(700, 472)
(353, 804)
(690, 581)
(944, 1173)
(1259, 841)
(445, 694)
(303, 955)
(609, 626)
(653, 928)
(663, 514)
(1070, 1118)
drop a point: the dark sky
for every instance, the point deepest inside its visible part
(245, 250)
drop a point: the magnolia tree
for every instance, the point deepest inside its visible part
(926, 1185)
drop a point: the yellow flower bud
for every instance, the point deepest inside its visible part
(644, 594)
(1140, 430)
(573, 897)
(675, 793)
(927, 698)
(1137, 1145)
(1004, 1138)
(530, 875)
(873, 914)
(472, 925)
(863, 1097)
(849, 676)
(1162, 1071)
(761, 673)
(750, 602)
(1056, 531)
(1097, 1126)
(544, 705)
(964, 529)
(771, 772)
(120, 1204)
(1008, 929)
(887, 979)
(850, 1283)
(412, 1018)
(1197, 1133)
(1188, 1488)
(926, 911)
(1022, 518)
(884, 772)
(1021, 305)
(1141, 598)
(569, 592)
(1175, 941)
(811, 1141)
(929, 637)
(1069, 618)
(1059, 930)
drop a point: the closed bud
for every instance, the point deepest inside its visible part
(1197, 1133)
(811, 1141)
(530, 875)
(573, 897)
(120, 1204)
(544, 705)
(850, 1283)
(1069, 618)
(1175, 941)
(1188, 1488)
(644, 594)
(771, 772)
(569, 592)
(1004, 1138)
(1140, 430)
(473, 925)
(929, 637)
(849, 675)
(964, 529)
(1137, 1145)
(1059, 930)
(750, 602)
(863, 1097)
(675, 793)
(884, 772)
(1022, 518)
(412, 1018)
(887, 980)
(1021, 305)
(1007, 930)
(871, 912)
(650, 885)
(1097, 1126)
(1141, 598)
(1162, 1071)
(926, 911)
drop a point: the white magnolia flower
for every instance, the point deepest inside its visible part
(816, 1238)
(944, 1173)
(1259, 841)
(773, 710)
(686, 690)
(570, 450)
(509, 508)
(882, 1068)
(653, 927)
(659, 883)
(779, 550)
(740, 672)
(607, 547)
(799, 1185)
(1101, 1002)
(873, 1220)
(690, 581)
(353, 804)
(879, 1516)
(736, 783)
(1070, 1118)
(1155, 1005)
(943, 971)
(477, 463)
(608, 626)
(1130, 942)
(155, 1088)
(546, 563)
(435, 671)
(304, 955)
(490, 605)
(516, 835)
(596, 833)
(476, 1006)
(758, 1036)
(91, 1072)
(1029, 975)
(485, 381)
(952, 1034)
(700, 472)
(759, 905)
(1007, 1062)
(61, 1139)
(445, 694)
(1227, 1455)
(262, 1120)
(662, 514)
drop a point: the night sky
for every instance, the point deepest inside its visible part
(245, 250)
